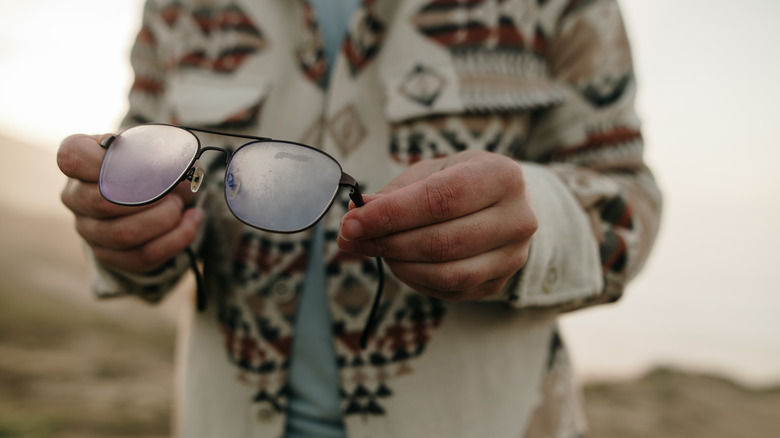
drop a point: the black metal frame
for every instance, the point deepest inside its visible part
(345, 181)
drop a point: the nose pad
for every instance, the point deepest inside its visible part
(197, 179)
(232, 185)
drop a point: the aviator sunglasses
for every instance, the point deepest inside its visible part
(272, 185)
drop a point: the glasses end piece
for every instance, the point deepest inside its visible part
(106, 142)
(354, 189)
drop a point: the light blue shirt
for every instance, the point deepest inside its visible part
(333, 17)
(314, 404)
(314, 409)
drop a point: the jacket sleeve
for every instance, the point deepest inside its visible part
(146, 99)
(597, 202)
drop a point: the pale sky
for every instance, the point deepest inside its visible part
(708, 70)
(64, 66)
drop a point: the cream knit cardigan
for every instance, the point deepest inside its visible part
(549, 83)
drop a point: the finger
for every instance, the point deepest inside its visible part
(482, 291)
(156, 253)
(490, 228)
(132, 230)
(80, 156)
(84, 199)
(452, 240)
(454, 192)
(465, 279)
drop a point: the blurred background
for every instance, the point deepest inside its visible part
(693, 349)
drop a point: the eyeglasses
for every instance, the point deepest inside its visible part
(272, 185)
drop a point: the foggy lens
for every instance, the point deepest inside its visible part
(146, 161)
(280, 186)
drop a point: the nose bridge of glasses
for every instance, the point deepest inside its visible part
(196, 174)
(213, 148)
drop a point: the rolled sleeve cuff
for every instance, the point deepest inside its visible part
(108, 282)
(563, 262)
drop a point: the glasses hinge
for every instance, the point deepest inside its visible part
(106, 142)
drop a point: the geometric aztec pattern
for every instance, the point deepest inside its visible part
(363, 38)
(257, 336)
(227, 36)
(492, 24)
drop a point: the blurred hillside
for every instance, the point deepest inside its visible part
(73, 367)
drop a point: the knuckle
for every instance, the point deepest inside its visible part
(84, 230)
(510, 175)
(452, 281)
(124, 236)
(523, 227)
(440, 246)
(517, 257)
(442, 281)
(440, 200)
(386, 217)
(66, 195)
(522, 258)
(188, 233)
(96, 204)
(487, 289)
(100, 255)
(376, 247)
(532, 224)
(152, 256)
(513, 171)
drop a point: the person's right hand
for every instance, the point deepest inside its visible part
(135, 239)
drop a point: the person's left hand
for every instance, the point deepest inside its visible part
(455, 228)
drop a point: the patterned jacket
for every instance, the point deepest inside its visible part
(548, 82)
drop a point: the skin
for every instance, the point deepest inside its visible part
(134, 239)
(455, 228)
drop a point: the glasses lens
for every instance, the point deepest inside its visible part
(145, 162)
(280, 186)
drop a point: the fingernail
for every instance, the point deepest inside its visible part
(351, 229)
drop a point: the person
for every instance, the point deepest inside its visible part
(501, 143)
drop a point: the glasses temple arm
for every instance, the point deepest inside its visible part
(370, 322)
(357, 197)
(200, 300)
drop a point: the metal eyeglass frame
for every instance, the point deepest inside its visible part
(195, 176)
